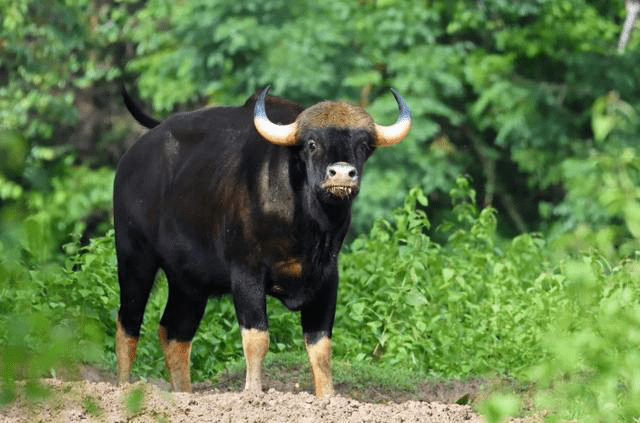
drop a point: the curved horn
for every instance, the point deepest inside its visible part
(275, 134)
(393, 134)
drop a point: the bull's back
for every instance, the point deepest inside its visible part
(186, 187)
(172, 166)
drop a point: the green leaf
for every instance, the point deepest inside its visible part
(415, 298)
(632, 217)
(447, 274)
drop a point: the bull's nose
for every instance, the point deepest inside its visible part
(342, 171)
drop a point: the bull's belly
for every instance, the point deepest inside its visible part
(201, 271)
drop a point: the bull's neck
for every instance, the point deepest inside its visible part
(338, 213)
(330, 217)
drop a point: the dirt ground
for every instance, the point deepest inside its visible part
(95, 398)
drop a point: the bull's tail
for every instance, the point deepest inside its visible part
(137, 113)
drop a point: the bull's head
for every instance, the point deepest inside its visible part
(336, 139)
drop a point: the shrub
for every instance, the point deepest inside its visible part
(591, 371)
(48, 320)
(471, 306)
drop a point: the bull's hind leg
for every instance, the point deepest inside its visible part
(317, 324)
(178, 326)
(126, 346)
(176, 357)
(136, 273)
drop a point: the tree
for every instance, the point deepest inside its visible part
(504, 92)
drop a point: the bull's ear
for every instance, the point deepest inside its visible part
(276, 134)
(393, 134)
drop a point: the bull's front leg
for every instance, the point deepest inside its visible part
(251, 310)
(319, 353)
(255, 344)
(317, 325)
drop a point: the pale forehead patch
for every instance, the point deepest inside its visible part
(333, 114)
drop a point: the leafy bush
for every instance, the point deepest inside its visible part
(591, 370)
(469, 307)
(602, 205)
(52, 51)
(61, 202)
(49, 319)
(54, 293)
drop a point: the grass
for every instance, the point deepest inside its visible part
(91, 406)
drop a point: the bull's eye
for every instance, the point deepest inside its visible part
(312, 146)
(365, 146)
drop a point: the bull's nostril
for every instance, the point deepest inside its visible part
(342, 171)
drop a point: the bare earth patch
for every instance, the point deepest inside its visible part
(86, 401)
(89, 394)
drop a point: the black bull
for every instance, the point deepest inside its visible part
(226, 201)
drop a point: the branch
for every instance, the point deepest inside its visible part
(633, 8)
(493, 187)
(488, 165)
(510, 205)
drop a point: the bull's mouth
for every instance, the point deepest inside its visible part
(342, 191)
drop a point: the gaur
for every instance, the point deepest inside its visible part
(249, 201)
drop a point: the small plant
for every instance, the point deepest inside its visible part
(134, 401)
(91, 406)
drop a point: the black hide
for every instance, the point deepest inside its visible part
(221, 210)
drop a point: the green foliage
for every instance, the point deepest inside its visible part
(51, 50)
(591, 370)
(60, 215)
(63, 199)
(521, 96)
(499, 407)
(134, 401)
(42, 313)
(603, 189)
(471, 306)
(48, 303)
(92, 407)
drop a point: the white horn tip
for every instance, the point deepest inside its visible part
(276, 134)
(393, 134)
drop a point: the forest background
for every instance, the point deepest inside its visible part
(535, 103)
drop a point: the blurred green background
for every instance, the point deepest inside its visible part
(531, 99)
(533, 102)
